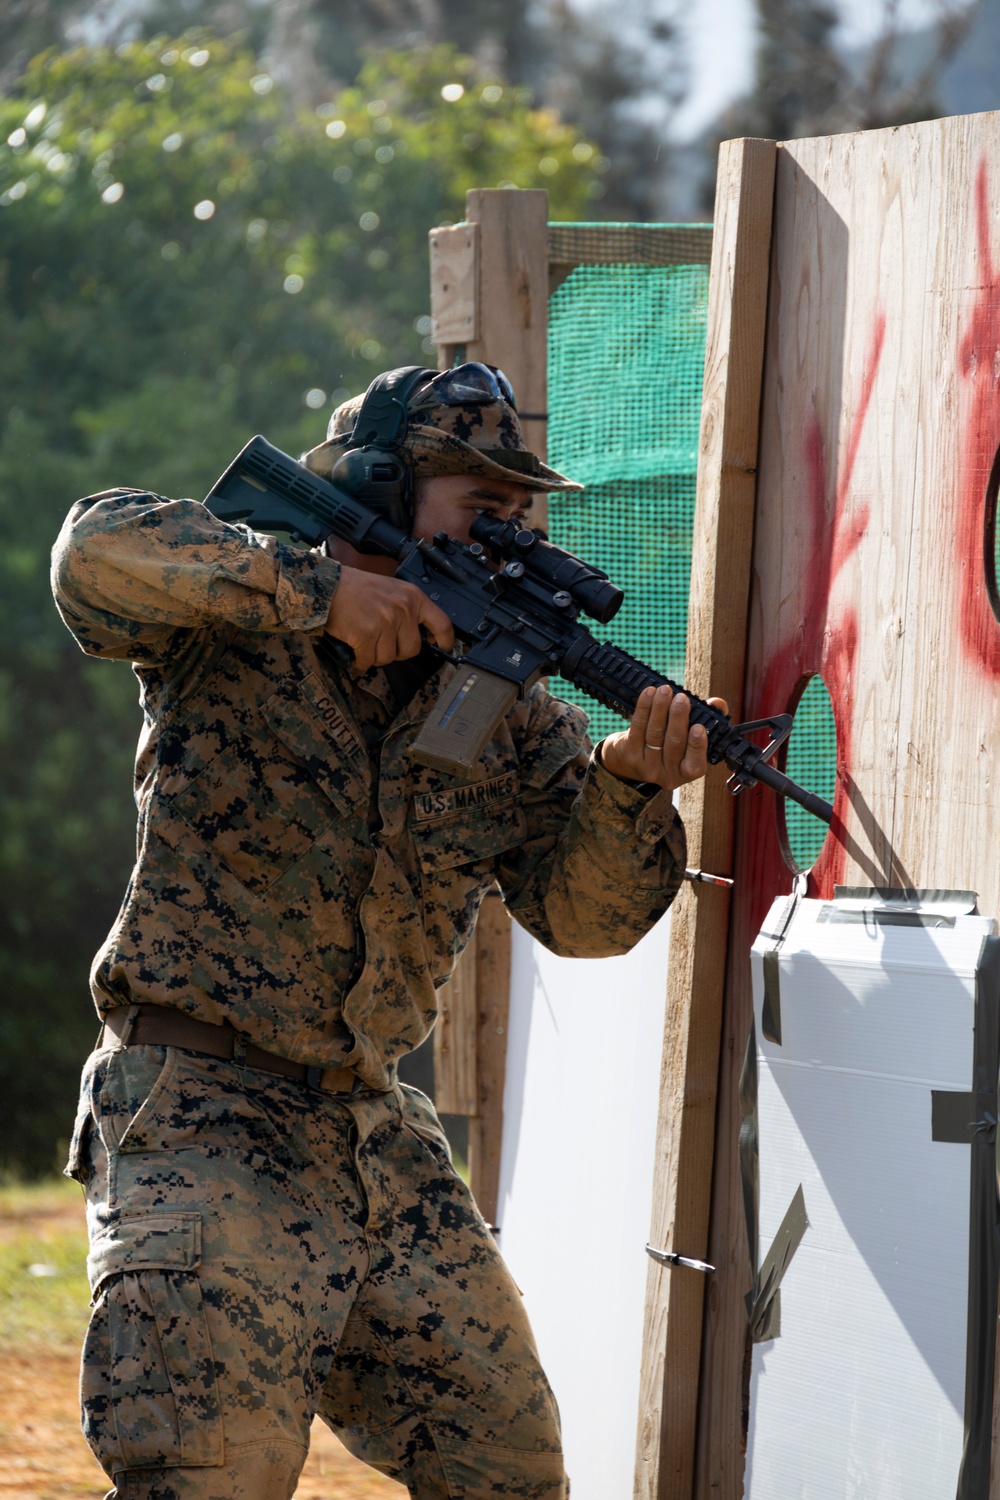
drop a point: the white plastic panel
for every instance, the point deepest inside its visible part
(583, 1069)
(862, 1395)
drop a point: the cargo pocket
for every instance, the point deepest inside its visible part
(149, 1389)
(479, 1470)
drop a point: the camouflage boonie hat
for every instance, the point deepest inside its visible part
(481, 440)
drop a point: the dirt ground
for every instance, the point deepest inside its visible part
(42, 1454)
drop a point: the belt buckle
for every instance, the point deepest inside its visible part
(314, 1080)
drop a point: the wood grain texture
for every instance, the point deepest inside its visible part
(511, 232)
(456, 1039)
(454, 257)
(492, 1011)
(514, 301)
(720, 584)
(879, 426)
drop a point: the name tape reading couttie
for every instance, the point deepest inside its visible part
(343, 735)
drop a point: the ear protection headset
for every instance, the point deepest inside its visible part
(373, 466)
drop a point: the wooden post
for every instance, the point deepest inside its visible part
(880, 424)
(720, 575)
(492, 1009)
(489, 302)
(454, 250)
(456, 1071)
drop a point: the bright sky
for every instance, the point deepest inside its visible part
(720, 37)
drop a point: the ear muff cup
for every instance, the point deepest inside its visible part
(374, 470)
(379, 478)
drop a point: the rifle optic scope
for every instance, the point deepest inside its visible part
(591, 589)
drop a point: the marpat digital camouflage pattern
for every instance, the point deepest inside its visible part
(297, 874)
(261, 1250)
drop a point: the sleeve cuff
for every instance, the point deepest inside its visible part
(652, 817)
(307, 582)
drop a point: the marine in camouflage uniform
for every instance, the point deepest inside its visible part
(276, 1228)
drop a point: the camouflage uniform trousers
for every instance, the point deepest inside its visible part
(261, 1251)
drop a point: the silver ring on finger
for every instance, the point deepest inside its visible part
(653, 747)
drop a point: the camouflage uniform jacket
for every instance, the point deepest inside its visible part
(297, 874)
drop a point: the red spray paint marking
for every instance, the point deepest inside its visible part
(823, 643)
(979, 363)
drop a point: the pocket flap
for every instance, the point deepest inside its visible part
(146, 1242)
(461, 839)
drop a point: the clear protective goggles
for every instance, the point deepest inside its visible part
(472, 384)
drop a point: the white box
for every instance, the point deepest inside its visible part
(867, 1389)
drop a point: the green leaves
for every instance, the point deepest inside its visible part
(140, 187)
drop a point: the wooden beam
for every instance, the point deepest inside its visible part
(492, 1011)
(513, 334)
(455, 1040)
(502, 252)
(514, 301)
(454, 250)
(716, 644)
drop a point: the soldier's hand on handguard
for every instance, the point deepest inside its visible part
(659, 746)
(380, 618)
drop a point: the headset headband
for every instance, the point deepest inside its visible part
(382, 420)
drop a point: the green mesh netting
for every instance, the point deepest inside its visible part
(626, 349)
(812, 762)
(625, 361)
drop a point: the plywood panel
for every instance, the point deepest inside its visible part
(879, 426)
(720, 574)
(454, 252)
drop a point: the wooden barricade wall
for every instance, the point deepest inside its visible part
(873, 566)
(875, 460)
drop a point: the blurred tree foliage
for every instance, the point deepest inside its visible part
(615, 73)
(184, 260)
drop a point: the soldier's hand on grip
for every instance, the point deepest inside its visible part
(659, 746)
(380, 618)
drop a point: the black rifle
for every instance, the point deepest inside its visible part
(517, 619)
